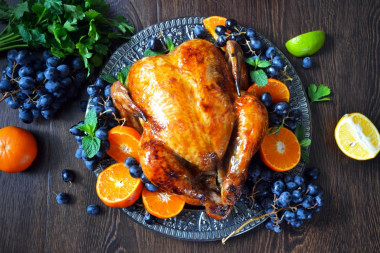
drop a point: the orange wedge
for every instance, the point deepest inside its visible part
(282, 151)
(277, 89)
(124, 142)
(161, 204)
(211, 22)
(116, 188)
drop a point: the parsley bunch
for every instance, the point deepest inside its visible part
(75, 27)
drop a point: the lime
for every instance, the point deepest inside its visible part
(306, 44)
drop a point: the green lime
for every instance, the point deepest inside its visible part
(306, 44)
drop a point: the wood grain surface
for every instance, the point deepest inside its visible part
(349, 63)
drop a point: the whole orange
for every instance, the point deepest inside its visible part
(18, 149)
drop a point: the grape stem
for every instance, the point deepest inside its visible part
(7, 94)
(249, 221)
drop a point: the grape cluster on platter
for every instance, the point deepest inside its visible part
(39, 86)
(282, 196)
(100, 101)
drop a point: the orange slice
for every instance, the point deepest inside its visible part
(277, 89)
(211, 22)
(124, 142)
(116, 188)
(280, 152)
(161, 204)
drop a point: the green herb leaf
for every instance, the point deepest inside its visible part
(122, 23)
(73, 12)
(120, 77)
(85, 128)
(169, 44)
(108, 78)
(259, 77)
(54, 6)
(263, 64)
(305, 155)
(101, 49)
(305, 142)
(300, 132)
(125, 70)
(251, 61)
(317, 94)
(20, 9)
(23, 31)
(92, 120)
(91, 146)
(149, 52)
(92, 31)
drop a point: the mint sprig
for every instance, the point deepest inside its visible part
(318, 94)
(258, 75)
(90, 143)
(304, 142)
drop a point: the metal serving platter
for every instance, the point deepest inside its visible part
(192, 223)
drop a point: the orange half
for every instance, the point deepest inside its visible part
(161, 204)
(117, 188)
(277, 89)
(282, 151)
(124, 142)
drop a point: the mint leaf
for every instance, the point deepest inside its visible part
(91, 146)
(169, 44)
(263, 64)
(92, 120)
(108, 78)
(85, 128)
(317, 94)
(251, 61)
(305, 142)
(300, 132)
(149, 52)
(259, 77)
(305, 155)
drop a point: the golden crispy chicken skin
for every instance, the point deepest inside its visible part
(198, 134)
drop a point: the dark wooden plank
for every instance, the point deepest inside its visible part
(32, 221)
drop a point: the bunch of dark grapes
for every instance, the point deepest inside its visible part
(250, 43)
(280, 113)
(38, 87)
(284, 197)
(100, 100)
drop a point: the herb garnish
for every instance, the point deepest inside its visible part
(258, 75)
(304, 142)
(121, 76)
(317, 94)
(90, 143)
(79, 28)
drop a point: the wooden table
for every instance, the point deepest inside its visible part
(32, 221)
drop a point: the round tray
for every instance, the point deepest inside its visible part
(193, 223)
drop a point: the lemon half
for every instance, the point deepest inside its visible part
(357, 137)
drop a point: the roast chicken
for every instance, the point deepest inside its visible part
(199, 127)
